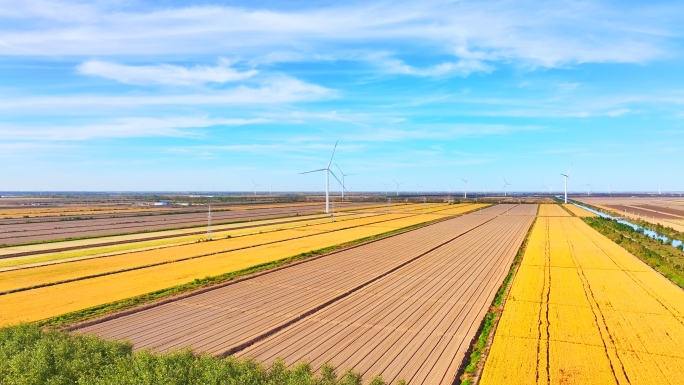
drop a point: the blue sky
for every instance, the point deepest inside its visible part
(152, 95)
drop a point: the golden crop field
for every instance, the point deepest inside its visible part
(552, 210)
(12, 280)
(50, 301)
(218, 232)
(578, 211)
(582, 310)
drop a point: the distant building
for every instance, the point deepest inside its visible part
(161, 203)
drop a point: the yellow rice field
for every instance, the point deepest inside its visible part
(54, 300)
(12, 280)
(552, 210)
(582, 310)
(218, 232)
(578, 211)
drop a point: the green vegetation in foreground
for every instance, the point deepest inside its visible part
(30, 356)
(491, 319)
(98, 311)
(666, 259)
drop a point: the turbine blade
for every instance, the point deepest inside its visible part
(340, 182)
(323, 169)
(333, 154)
(338, 167)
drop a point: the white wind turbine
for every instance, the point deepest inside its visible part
(506, 184)
(417, 187)
(465, 189)
(659, 193)
(397, 183)
(542, 187)
(385, 187)
(589, 188)
(343, 175)
(328, 171)
(255, 186)
(567, 176)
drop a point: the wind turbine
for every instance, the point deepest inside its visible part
(567, 176)
(417, 187)
(542, 187)
(506, 184)
(465, 189)
(659, 193)
(255, 186)
(385, 187)
(343, 175)
(397, 183)
(589, 189)
(328, 171)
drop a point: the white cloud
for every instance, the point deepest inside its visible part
(120, 128)
(164, 73)
(277, 90)
(533, 34)
(459, 68)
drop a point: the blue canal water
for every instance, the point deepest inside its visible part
(650, 233)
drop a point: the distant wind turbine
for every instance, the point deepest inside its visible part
(567, 176)
(659, 193)
(465, 189)
(343, 175)
(397, 183)
(255, 186)
(417, 187)
(385, 187)
(589, 189)
(328, 171)
(506, 184)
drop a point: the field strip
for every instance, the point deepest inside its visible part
(578, 211)
(105, 251)
(416, 323)
(552, 210)
(26, 279)
(71, 230)
(18, 251)
(276, 297)
(583, 310)
(51, 301)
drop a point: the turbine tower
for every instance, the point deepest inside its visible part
(588, 189)
(328, 171)
(567, 176)
(255, 186)
(385, 187)
(659, 193)
(343, 175)
(465, 189)
(397, 183)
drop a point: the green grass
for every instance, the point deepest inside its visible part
(664, 258)
(31, 356)
(488, 326)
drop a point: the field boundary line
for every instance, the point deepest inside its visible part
(6, 292)
(114, 243)
(232, 279)
(470, 370)
(124, 252)
(347, 293)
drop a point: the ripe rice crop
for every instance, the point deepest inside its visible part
(582, 310)
(12, 280)
(578, 211)
(50, 301)
(552, 210)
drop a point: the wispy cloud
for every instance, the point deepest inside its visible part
(164, 73)
(276, 90)
(120, 128)
(534, 34)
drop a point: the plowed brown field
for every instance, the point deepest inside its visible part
(402, 307)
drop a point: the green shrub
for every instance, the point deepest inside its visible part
(29, 356)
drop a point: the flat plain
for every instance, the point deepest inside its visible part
(582, 310)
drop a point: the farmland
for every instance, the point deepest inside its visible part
(583, 310)
(552, 210)
(81, 284)
(667, 212)
(404, 307)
